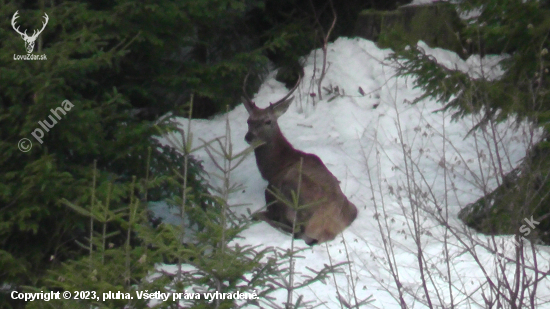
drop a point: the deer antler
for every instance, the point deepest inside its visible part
(44, 23)
(288, 94)
(248, 104)
(15, 16)
(24, 34)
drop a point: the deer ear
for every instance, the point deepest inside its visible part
(281, 107)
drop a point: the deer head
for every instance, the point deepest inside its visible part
(29, 40)
(262, 122)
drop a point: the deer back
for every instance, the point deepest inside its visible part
(328, 211)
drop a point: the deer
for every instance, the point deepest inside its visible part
(29, 40)
(292, 172)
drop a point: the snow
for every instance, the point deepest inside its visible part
(424, 2)
(361, 139)
(476, 67)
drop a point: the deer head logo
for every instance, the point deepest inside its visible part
(29, 40)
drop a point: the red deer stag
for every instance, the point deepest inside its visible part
(329, 212)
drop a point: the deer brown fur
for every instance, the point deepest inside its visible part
(327, 212)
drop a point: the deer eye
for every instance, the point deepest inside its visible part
(267, 122)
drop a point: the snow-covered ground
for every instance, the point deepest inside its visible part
(369, 142)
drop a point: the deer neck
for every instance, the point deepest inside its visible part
(274, 156)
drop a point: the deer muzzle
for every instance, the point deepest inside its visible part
(249, 137)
